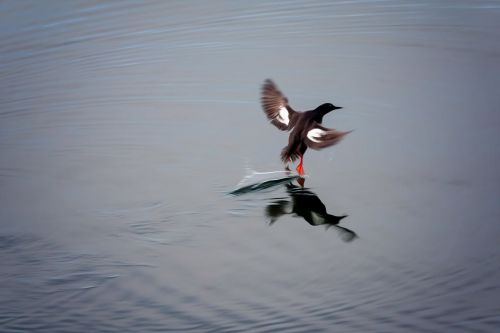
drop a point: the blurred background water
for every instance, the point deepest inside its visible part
(123, 126)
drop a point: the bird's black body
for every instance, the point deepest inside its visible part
(305, 121)
(305, 127)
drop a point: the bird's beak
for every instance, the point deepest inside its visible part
(338, 107)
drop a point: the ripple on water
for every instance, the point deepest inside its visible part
(96, 96)
(39, 281)
(152, 222)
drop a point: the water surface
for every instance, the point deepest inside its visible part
(124, 126)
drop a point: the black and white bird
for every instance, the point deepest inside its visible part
(305, 127)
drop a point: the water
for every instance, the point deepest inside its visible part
(124, 125)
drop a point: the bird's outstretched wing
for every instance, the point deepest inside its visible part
(319, 137)
(276, 107)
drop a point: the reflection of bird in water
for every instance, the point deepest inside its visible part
(307, 205)
(305, 127)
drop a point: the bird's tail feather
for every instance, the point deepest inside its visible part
(287, 155)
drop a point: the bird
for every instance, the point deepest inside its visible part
(305, 127)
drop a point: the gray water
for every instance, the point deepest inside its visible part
(124, 126)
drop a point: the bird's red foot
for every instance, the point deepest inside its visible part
(300, 170)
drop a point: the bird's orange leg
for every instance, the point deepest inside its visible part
(300, 167)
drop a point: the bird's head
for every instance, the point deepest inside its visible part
(327, 107)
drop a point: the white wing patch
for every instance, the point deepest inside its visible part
(283, 116)
(315, 134)
(317, 218)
